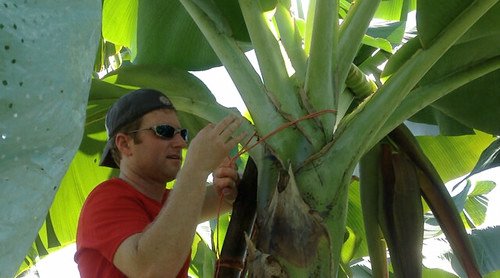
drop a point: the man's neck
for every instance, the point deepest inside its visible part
(152, 189)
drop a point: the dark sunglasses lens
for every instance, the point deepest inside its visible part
(184, 134)
(168, 132)
(165, 131)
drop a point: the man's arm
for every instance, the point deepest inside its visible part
(225, 182)
(162, 248)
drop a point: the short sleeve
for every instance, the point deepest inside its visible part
(110, 215)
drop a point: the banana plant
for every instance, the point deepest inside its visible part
(306, 197)
(318, 104)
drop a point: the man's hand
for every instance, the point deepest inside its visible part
(226, 178)
(212, 144)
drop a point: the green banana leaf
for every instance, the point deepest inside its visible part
(457, 113)
(486, 247)
(202, 259)
(454, 156)
(489, 159)
(439, 260)
(472, 205)
(43, 95)
(163, 33)
(395, 10)
(476, 205)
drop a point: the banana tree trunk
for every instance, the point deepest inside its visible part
(300, 224)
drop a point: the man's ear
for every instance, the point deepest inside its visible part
(123, 142)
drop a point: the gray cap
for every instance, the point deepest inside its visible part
(127, 109)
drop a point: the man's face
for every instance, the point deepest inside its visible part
(157, 158)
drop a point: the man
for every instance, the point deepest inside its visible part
(131, 226)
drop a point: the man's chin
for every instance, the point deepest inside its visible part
(171, 174)
(174, 162)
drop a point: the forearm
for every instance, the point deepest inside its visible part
(172, 233)
(164, 246)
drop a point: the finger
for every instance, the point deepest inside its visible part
(222, 125)
(225, 164)
(226, 179)
(231, 128)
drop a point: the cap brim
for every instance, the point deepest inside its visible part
(106, 158)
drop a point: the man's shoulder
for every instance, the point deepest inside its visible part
(111, 184)
(110, 189)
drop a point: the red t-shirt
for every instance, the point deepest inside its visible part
(113, 211)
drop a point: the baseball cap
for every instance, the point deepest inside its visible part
(127, 109)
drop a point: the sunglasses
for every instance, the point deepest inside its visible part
(166, 131)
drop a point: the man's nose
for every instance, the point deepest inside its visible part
(179, 141)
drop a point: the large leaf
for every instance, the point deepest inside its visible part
(188, 94)
(476, 204)
(81, 177)
(474, 105)
(454, 156)
(391, 31)
(472, 206)
(486, 247)
(355, 220)
(395, 9)
(162, 32)
(202, 258)
(44, 90)
(489, 158)
(218, 230)
(434, 16)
